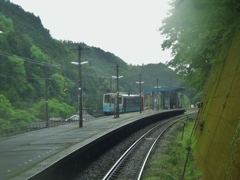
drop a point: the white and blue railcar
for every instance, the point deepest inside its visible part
(127, 103)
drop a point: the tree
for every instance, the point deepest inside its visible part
(6, 26)
(31, 60)
(12, 117)
(58, 85)
(58, 109)
(5, 109)
(196, 31)
(55, 109)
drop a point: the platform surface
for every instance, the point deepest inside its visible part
(24, 155)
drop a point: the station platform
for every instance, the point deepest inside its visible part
(24, 155)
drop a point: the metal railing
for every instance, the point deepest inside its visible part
(14, 130)
(37, 125)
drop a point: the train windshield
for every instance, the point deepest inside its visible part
(120, 100)
(111, 99)
(107, 98)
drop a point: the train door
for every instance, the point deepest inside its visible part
(124, 104)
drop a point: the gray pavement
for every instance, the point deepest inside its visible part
(24, 155)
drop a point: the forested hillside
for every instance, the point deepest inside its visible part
(196, 31)
(34, 65)
(204, 37)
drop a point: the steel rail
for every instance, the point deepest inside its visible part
(151, 148)
(114, 168)
(125, 154)
(154, 143)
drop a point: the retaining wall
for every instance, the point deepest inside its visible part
(217, 130)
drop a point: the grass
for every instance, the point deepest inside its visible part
(170, 155)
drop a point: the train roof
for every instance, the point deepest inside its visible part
(131, 95)
(123, 94)
(164, 89)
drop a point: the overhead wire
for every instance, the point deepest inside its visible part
(43, 32)
(33, 61)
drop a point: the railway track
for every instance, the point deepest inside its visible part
(133, 161)
(131, 164)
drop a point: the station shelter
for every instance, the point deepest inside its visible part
(165, 97)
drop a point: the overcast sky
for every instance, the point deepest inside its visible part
(126, 28)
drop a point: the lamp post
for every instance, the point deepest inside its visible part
(157, 96)
(149, 102)
(79, 63)
(140, 91)
(117, 112)
(46, 103)
(110, 84)
(117, 108)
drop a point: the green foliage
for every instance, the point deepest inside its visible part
(197, 98)
(21, 117)
(168, 162)
(55, 109)
(185, 101)
(38, 54)
(35, 66)
(196, 32)
(38, 110)
(57, 84)
(12, 117)
(6, 26)
(5, 111)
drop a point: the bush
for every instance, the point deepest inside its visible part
(168, 161)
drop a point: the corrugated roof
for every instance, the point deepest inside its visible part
(164, 89)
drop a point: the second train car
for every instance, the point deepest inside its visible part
(127, 103)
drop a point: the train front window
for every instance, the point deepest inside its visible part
(120, 100)
(112, 100)
(107, 99)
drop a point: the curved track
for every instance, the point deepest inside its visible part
(131, 164)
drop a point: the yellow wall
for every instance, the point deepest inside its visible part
(217, 149)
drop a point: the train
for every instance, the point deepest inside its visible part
(127, 103)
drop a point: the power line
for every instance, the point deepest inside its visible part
(33, 61)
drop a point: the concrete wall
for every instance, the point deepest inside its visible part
(217, 130)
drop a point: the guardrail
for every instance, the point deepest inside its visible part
(14, 130)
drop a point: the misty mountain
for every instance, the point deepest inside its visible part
(33, 63)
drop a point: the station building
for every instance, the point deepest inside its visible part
(165, 97)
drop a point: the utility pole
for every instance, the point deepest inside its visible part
(110, 84)
(117, 108)
(80, 86)
(149, 102)
(46, 96)
(79, 63)
(46, 105)
(140, 92)
(117, 111)
(157, 97)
